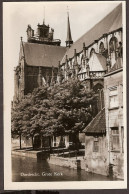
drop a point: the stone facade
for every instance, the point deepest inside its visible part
(113, 85)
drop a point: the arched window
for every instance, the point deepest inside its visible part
(92, 51)
(97, 87)
(82, 59)
(113, 44)
(101, 48)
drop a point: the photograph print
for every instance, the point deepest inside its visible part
(64, 95)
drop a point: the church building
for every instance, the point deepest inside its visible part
(38, 60)
(92, 54)
(96, 59)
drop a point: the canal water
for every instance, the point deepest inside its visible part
(26, 169)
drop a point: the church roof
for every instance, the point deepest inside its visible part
(97, 125)
(97, 62)
(111, 22)
(43, 55)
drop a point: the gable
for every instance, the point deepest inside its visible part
(43, 55)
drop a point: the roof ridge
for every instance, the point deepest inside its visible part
(54, 46)
(98, 22)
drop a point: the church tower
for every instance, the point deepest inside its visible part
(69, 40)
(43, 35)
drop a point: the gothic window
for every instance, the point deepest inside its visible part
(115, 142)
(97, 86)
(120, 50)
(101, 48)
(92, 51)
(70, 64)
(79, 60)
(113, 45)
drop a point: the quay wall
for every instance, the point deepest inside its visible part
(66, 162)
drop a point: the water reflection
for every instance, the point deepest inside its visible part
(30, 170)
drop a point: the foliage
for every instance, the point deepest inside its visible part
(59, 110)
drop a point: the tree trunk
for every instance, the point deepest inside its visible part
(50, 141)
(41, 141)
(20, 141)
(32, 143)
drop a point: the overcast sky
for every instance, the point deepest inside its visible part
(17, 15)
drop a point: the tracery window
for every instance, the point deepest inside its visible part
(113, 45)
(101, 48)
(92, 51)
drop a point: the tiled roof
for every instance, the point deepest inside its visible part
(97, 62)
(43, 55)
(97, 125)
(111, 22)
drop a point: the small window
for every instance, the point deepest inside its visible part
(115, 142)
(113, 97)
(96, 145)
(113, 101)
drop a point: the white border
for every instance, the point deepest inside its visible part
(8, 184)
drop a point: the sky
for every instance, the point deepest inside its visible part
(17, 16)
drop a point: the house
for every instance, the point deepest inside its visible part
(96, 151)
(113, 89)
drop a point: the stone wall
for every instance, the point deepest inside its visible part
(65, 162)
(96, 162)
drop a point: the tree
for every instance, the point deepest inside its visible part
(58, 110)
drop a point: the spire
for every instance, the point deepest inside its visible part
(44, 15)
(69, 40)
